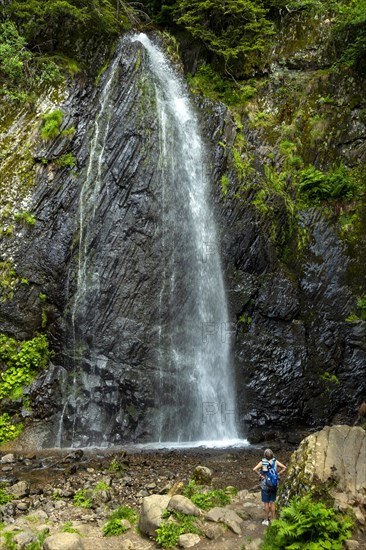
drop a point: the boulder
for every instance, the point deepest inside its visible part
(333, 457)
(202, 475)
(8, 459)
(20, 489)
(151, 513)
(63, 541)
(182, 504)
(188, 540)
(226, 516)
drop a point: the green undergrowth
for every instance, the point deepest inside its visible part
(115, 526)
(306, 524)
(176, 524)
(20, 363)
(205, 499)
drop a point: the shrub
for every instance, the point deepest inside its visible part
(67, 160)
(8, 431)
(316, 186)
(51, 124)
(4, 496)
(82, 499)
(13, 54)
(167, 535)
(307, 525)
(206, 500)
(114, 525)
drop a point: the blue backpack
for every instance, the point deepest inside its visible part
(272, 477)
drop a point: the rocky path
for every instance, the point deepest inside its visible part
(44, 486)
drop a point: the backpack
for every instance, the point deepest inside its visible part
(272, 477)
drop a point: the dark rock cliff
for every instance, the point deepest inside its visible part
(298, 363)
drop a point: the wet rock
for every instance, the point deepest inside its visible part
(202, 475)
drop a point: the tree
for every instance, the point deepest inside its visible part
(232, 29)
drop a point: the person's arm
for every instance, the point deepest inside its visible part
(257, 468)
(284, 468)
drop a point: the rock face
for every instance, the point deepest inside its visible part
(335, 459)
(298, 363)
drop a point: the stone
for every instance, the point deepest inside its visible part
(63, 541)
(8, 458)
(24, 538)
(151, 513)
(351, 545)
(334, 456)
(182, 504)
(20, 489)
(202, 475)
(226, 516)
(188, 540)
(23, 506)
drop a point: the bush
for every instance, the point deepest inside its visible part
(114, 525)
(51, 124)
(206, 500)
(13, 54)
(336, 185)
(82, 499)
(307, 525)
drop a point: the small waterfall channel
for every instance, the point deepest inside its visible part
(189, 370)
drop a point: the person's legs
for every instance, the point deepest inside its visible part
(273, 509)
(265, 500)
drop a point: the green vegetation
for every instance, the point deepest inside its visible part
(68, 528)
(4, 496)
(20, 362)
(51, 124)
(8, 281)
(316, 186)
(307, 525)
(114, 525)
(66, 161)
(82, 499)
(25, 218)
(208, 499)
(168, 532)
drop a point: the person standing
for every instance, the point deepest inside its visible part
(268, 496)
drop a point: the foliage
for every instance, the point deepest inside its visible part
(350, 31)
(208, 82)
(116, 466)
(51, 124)
(231, 29)
(67, 160)
(307, 525)
(38, 544)
(4, 496)
(114, 526)
(361, 304)
(206, 500)
(8, 431)
(82, 499)
(101, 486)
(13, 54)
(167, 534)
(8, 281)
(68, 528)
(316, 186)
(26, 218)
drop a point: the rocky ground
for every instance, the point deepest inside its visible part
(44, 486)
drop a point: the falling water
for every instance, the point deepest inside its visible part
(186, 374)
(196, 398)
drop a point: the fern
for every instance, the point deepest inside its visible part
(307, 525)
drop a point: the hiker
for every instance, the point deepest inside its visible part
(267, 471)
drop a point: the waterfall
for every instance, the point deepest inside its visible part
(196, 395)
(148, 334)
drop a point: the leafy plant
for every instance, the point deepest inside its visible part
(67, 160)
(25, 217)
(68, 528)
(114, 524)
(51, 124)
(82, 499)
(167, 534)
(307, 525)
(8, 430)
(5, 497)
(101, 486)
(206, 500)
